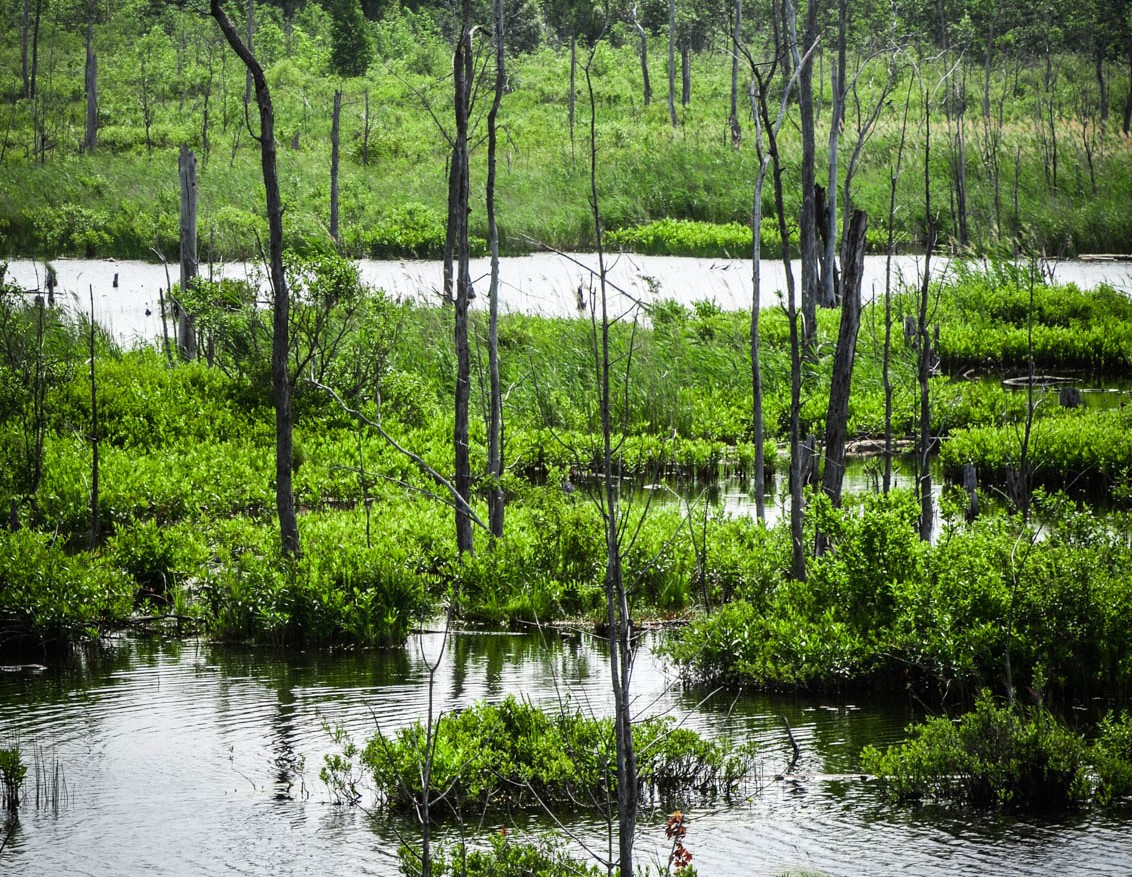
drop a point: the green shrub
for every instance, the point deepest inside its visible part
(48, 594)
(993, 756)
(1111, 755)
(515, 755)
(504, 858)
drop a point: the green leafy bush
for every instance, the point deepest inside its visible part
(48, 594)
(515, 755)
(993, 756)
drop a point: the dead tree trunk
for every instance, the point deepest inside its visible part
(495, 425)
(248, 83)
(94, 523)
(334, 137)
(644, 38)
(672, 62)
(90, 138)
(733, 119)
(462, 82)
(25, 42)
(281, 301)
(924, 364)
(761, 114)
(32, 91)
(685, 74)
(186, 331)
(807, 226)
(957, 111)
(837, 414)
(449, 257)
(838, 76)
(890, 251)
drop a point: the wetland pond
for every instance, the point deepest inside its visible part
(193, 758)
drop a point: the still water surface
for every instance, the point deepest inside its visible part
(197, 759)
(127, 293)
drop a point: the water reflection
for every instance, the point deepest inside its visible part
(200, 759)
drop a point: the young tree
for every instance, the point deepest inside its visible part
(350, 48)
(617, 615)
(280, 380)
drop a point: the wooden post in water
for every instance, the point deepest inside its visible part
(186, 333)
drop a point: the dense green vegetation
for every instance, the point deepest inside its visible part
(512, 755)
(180, 531)
(886, 608)
(1039, 143)
(997, 755)
(186, 501)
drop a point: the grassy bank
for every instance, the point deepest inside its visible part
(168, 80)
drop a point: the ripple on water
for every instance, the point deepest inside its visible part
(192, 759)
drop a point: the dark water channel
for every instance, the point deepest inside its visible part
(197, 759)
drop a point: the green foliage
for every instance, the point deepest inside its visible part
(504, 858)
(882, 608)
(350, 48)
(1079, 447)
(993, 756)
(1112, 758)
(513, 754)
(50, 595)
(686, 237)
(985, 317)
(339, 593)
(164, 81)
(12, 773)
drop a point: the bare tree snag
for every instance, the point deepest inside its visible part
(837, 414)
(25, 41)
(807, 226)
(334, 138)
(462, 84)
(90, 137)
(281, 302)
(186, 332)
(672, 62)
(685, 73)
(733, 119)
(644, 38)
(495, 424)
(618, 618)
